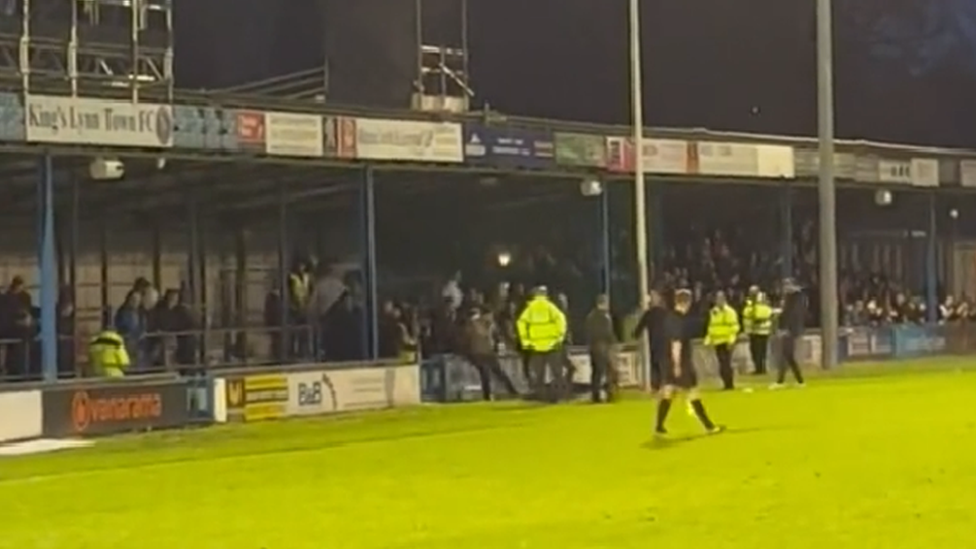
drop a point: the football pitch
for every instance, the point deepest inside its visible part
(876, 457)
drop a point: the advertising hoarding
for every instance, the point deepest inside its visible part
(87, 121)
(114, 407)
(508, 147)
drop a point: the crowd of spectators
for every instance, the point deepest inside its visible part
(322, 313)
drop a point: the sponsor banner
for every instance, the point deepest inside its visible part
(114, 407)
(858, 344)
(21, 415)
(291, 134)
(807, 164)
(409, 140)
(895, 171)
(948, 172)
(925, 172)
(352, 389)
(508, 147)
(256, 398)
(666, 156)
(205, 128)
(743, 160)
(624, 361)
(86, 121)
(250, 129)
(867, 170)
(919, 172)
(12, 117)
(340, 137)
(967, 173)
(918, 340)
(580, 150)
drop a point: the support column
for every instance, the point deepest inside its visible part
(103, 275)
(48, 264)
(931, 268)
(285, 334)
(193, 267)
(606, 253)
(656, 201)
(786, 229)
(367, 217)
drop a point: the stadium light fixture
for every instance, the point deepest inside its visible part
(826, 187)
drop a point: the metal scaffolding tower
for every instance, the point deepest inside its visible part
(442, 58)
(87, 47)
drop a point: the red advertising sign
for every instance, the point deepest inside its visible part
(251, 129)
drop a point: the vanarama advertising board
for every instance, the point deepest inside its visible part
(113, 407)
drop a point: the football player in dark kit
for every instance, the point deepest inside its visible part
(677, 368)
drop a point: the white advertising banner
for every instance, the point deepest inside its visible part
(746, 160)
(925, 172)
(85, 121)
(967, 173)
(895, 171)
(290, 134)
(667, 156)
(409, 140)
(366, 388)
(21, 415)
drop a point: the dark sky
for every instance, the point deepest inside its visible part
(905, 69)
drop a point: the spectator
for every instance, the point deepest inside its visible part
(131, 326)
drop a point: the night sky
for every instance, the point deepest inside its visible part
(905, 69)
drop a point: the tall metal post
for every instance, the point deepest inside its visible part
(786, 229)
(368, 218)
(48, 263)
(826, 187)
(931, 267)
(194, 280)
(640, 192)
(605, 251)
(286, 336)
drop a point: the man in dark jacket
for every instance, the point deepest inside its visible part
(792, 321)
(653, 321)
(602, 340)
(479, 342)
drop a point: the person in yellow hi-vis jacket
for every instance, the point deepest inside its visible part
(542, 332)
(107, 354)
(757, 323)
(723, 329)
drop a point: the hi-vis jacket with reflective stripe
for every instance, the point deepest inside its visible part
(541, 326)
(723, 326)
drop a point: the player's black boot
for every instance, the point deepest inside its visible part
(663, 407)
(702, 415)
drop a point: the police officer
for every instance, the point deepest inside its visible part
(542, 332)
(792, 322)
(723, 329)
(601, 340)
(757, 322)
(107, 354)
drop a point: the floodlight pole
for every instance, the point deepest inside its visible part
(640, 193)
(826, 187)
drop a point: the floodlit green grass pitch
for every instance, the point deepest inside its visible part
(883, 458)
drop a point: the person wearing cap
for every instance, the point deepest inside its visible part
(542, 331)
(757, 323)
(678, 369)
(722, 332)
(792, 322)
(601, 338)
